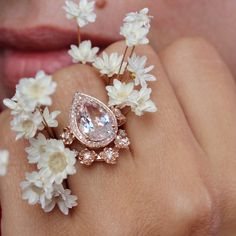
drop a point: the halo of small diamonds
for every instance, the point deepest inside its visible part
(80, 103)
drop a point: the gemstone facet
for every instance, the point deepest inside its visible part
(109, 155)
(119, 116)
(87, 157)
(92, 122)
(67, 136)
(122, 141)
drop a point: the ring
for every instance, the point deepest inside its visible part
(97, 127)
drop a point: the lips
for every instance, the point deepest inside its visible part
(25, 52)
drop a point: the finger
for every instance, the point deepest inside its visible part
(207, 93)
(156, 129)
(26, 218)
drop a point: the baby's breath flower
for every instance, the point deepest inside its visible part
(134, 34)
(82, 12)
(109, 64)
(36, 91)
(62, 198)
(50, 118)
(37, 148)
(84, 53)
(26, 126)
(140, 17)
(4, 159)
(17, 105)
(142, 102)
(36, 189)
(58, 161)
(137, 67)
(136, 28)
(120, 93)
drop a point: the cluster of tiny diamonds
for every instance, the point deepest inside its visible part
(108, 154)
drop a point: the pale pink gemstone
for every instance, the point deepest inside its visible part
(94, 122)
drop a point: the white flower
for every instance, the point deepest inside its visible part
(82, 12)
(62, 198)
(17, 105)
(4, 158)
(36, 189)
(27, 126)
(109, 64)
(134, 34)
(50, 118)
(37, 148)
(58, 161)
(140, 17)
(120, 93)
(36, 91)
(84, 53)
(142, 102)
(137, 67)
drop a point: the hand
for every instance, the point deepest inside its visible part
(178, 178)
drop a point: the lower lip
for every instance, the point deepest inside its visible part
(15, 65)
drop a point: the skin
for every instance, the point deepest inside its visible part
(179, 171)
(178, 178)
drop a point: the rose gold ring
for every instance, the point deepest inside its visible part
(98, 128)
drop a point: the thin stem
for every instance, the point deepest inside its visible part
(47, 128)
(131, 54)
(79, 36)
(126, 49)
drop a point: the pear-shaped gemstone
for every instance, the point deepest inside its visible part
(92, 122)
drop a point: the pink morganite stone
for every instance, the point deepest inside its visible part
(94, 122)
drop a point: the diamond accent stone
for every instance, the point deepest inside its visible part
(87, 157)
(122, 141)
(92, 122)
(121, 119)
(67, 136)
(109, 155)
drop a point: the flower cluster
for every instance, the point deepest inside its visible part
(133, 93)
(29, 108)
(82, 12)
(26, 105)
(136, 28)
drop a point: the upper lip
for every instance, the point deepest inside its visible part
(45, 38)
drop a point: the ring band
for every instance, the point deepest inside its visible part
(97, 128)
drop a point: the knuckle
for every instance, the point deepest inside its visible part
(197, 212)
(194, 47)
(73, 77)
(189, 214)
